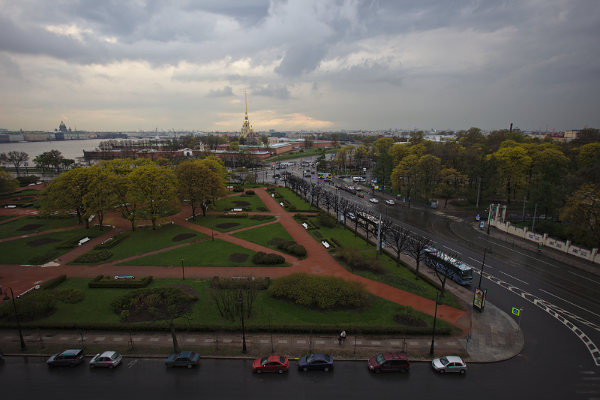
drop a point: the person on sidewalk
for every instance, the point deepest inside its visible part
(342, 337)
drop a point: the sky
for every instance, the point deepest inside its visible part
(121, 65)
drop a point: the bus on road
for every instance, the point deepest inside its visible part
(458, 271)
(324, 175)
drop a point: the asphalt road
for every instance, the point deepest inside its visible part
(232, 379)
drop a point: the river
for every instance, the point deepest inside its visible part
(68, 148)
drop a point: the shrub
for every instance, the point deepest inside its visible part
(409, 316)
(110, 243)
(326, 220)
(249, 192)
(27, 179)
(356, 260)
(33, 305)
(318, 235)
(334, 241)
(153, 303)
(301, 217)
(262, 258)
(93, 257)
(44, 258)
(70, 296)
(217, 282)
(234, 215)
(54, 282)
(323, 292)
(109, 282)
(262, 208)
(289, 246)
(238, 189)
(259, 217)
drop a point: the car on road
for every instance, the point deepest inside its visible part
(187, 359)
(68, 358)
(373, 200)
(351, 216)
(107, 359)
(389, 362)
(272, 363)
(315, 361)
(449, 364)
(361, 195)
(390, 202)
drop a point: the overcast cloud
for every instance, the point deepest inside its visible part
(314, 65)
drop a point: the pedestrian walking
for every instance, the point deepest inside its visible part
(342, 337)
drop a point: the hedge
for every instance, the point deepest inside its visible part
(110, 243)
(234, 215)
(107, 282)
(259, 283)
(54, 282)
(249, 192)
(289, 246)
(161, 303)
(259, 217)
(93, 257)
(357, 260)
(39, 303)
(262, 258)
(323, 292)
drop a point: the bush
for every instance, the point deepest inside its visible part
(259, 217)
(54, 282)
(93, 257)
(238, 189)
(234, 215)
(249, 192)
(326, 220)
(288, 246)
(301, 217)
(108, 282)
(356, 260)
(334, 241)
(153, 304)
(44, 258)
(262, 208)
(27, 179)
(262, 258)
(110, 243)
(70, 296)
(323, 292)
(217, 282)
(408, 316)
(33, 305)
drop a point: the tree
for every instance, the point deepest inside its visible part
(17, 158)
(154, 189)
(67, 192)
(427, 170)
(583, 209)
(404, 176)
(450, 184)
(399, 238)
(416, 249)
(100, 195)
(198, 183)
(588, 163)
(7, 183)
(513, 164)
(548, 169)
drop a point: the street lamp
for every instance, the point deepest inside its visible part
(434, 320)
(182, 270)
(241, 301)
(23, 347)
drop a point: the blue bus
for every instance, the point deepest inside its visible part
(458, 271)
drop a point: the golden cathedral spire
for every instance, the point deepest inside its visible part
(247, 131)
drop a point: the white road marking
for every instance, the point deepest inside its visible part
(131, 363)
(486, 265)
(526, 255)
(567, 301)
(514, 277)
(581, 276)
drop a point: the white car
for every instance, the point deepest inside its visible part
(449, 364)
(373, 200)
(390, 202)
(108, 359)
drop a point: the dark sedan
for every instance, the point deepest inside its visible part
(389, 362)
(187, 359)
(318, 361)
(68, 358)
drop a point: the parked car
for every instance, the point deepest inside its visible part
(449, 364)
(351, 216)
(390, 202)
(373, 200)
(108, 359)
(183, 359)
(68, 358)
(361, 195)
(317, 361)
(389, 362)
(272, 363)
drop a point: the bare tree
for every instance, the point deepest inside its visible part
(17, 158)
(416, 249)
(399, 239)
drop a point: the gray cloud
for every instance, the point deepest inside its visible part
(225, 92)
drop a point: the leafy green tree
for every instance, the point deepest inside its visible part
(100, 196)
(427, 170)
(67, 192)
(404, 176)
(588, 163)
(513, 165)
(451, 183)
(583, 209)
(198, 183)
(8, 184)
(548, 170)
(154, 190)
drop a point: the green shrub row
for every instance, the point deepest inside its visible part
(335, 241)
(262, 208)
(36, 304)
(49, 255)
(259, 283)
(234, 215)
(262, 258)
(54, 282)
(102, 281)
(93, 257)
(259, 217)
(357, 260)
(289, 246)
(323, 292)
(27, 179)
(110, 243)
(249, 192)
(325, 220)
(157, 303)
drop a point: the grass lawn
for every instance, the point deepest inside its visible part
(294, 199)
(20, 252)
(27, 225)
(95, 311)
(209, 253)
(247, 202)
(143, 240)
(21, 193)
(262, 235)
(3, 217)
(222, 223)
(400, 277)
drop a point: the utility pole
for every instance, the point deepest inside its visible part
(534, 214)
(478, 192)
(482, 265)
(23, 346)
(378, 237)
(523, 214)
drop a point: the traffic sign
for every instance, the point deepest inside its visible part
(516, 311)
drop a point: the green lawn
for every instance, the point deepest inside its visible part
(262, 235)
(21, 193)
(294, 199)
(209, 253)
(144, 240)
(397, 276)
(222, 223)
(20, 252)
(3, 217)
(247, 202)
(32, 224)
(95, 311)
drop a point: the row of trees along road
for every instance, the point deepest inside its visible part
(562, 179)
(137, 188)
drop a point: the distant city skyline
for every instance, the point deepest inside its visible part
(306, 65)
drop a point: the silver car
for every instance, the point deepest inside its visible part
(108, 359)
(449, 364)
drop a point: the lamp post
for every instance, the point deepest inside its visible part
(182, 270)
(23, 346)
(434, 320)
(482, 265)
(241, 301)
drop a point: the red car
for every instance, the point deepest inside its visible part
(272, 363)
(389, 362)
(361, 194)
